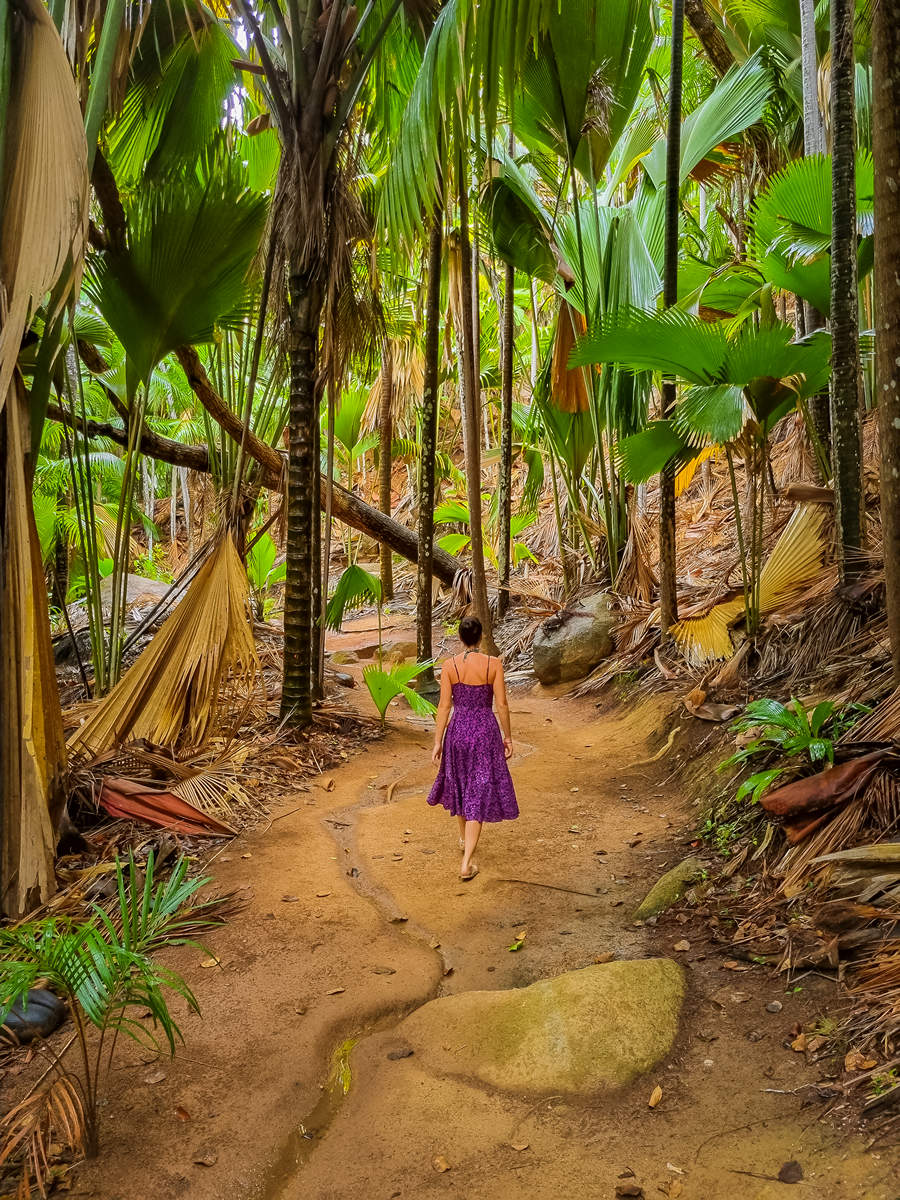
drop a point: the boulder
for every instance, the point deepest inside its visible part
(139, 592)
(569, 645)
(669, 889)
(342, 658)
(580, 1034)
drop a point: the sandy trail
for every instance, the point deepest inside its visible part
(355, 917)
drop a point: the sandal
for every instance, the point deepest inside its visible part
(468, 878)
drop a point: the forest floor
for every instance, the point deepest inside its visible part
(355, 917)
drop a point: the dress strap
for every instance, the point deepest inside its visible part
(487, 673)
(455, 666)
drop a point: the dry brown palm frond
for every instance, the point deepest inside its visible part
(408, 379)
(568, 388)
(44, 207)
(203, 655)
(54, 1114)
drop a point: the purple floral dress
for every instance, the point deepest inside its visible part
(473, 780)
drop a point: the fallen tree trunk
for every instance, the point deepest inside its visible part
(346, 507)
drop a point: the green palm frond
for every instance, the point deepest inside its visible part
(184, 270)
(673, 342)
(644, 454)
(354, 586)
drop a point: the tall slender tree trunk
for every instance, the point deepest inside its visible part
(668, 594)
(315, 520)
(305, 313)
(506, 430)
(886, 149)
(385, 462)
(845, 372)
(471, 397)
(813, 143)
(429, 445)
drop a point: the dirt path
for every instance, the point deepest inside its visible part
(355, 917)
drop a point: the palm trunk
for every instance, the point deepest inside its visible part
(385, 462)
(886, 148)
(813, 143)
(315, 521)
(305, 312)
(505, 514)
(711, 37)
(430, 406)
(668, 596)
(471, 396)
(845, 377)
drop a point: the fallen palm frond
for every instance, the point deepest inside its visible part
(174, 692)
(807, 803)
(36, 1128)
(795, 560)
(44, 208)
(131, 801)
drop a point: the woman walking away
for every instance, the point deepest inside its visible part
(473, 780)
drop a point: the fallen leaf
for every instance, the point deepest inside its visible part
(182, 1114)
(855, 1060)
(683, 945)
(520, 1146)
(246, 856)
(655, 1096)
(791, 1172)
(209, 962)
(800, 1043)
(434, 944)
(327, 785)
(289, 899)
(322, 895)
(206, 1158)
(605, 957)
(574, 829)
(335, 991)
(440, 1163)
(518, 943)
(383, 971)
(675, 1188)
(672, 1167)
(156, 1077)
(816, 1043)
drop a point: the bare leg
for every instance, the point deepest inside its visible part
(473, 832)
(462, 830)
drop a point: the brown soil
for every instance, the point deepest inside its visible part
(358, 877)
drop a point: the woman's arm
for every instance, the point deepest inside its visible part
(502, 706)
(443, 715)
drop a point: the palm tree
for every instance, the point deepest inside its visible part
(314, 60)
(845, 376)
(385, 461)
(668, 595)
(430, 406)
(886, 148)
(506, 434)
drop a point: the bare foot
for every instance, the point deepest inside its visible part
(467, 872)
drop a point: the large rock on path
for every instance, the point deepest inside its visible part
(570, 645)
(668, 889)
(581, 1033)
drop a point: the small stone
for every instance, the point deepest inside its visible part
(335, 992)
(629, 1189)
(774, 1006)
(206, 1157)
(402, 1052)
(440, 1164)
(383, 971)
(605, 957)
(681, 946)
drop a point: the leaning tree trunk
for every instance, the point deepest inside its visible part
(471, 395)
(385, 462)
(711, 37)
(505, 489)
(813, 143)
(305, 313)
(886, 149)
(845, 371)
(668, 595)
(429, 444)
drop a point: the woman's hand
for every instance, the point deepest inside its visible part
(507, 747)
(436, 754)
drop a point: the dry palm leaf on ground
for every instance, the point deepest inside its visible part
(202, 661)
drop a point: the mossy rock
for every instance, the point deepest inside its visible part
(669, 889)
(582, 1033)
(340, 658)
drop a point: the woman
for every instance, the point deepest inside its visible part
(473, 779)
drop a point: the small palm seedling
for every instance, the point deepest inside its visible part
(786, 728)
(357, 584)
(103, 969)
(264, 574)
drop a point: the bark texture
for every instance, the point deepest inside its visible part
(385, 462)
(886, 148)
(711, 37)
(505, 498)
(429, 443)
(668, 593)
(845, 372)
(471, 424)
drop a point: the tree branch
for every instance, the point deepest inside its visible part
(710, 36)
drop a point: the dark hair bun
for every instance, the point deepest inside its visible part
(470, 631)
